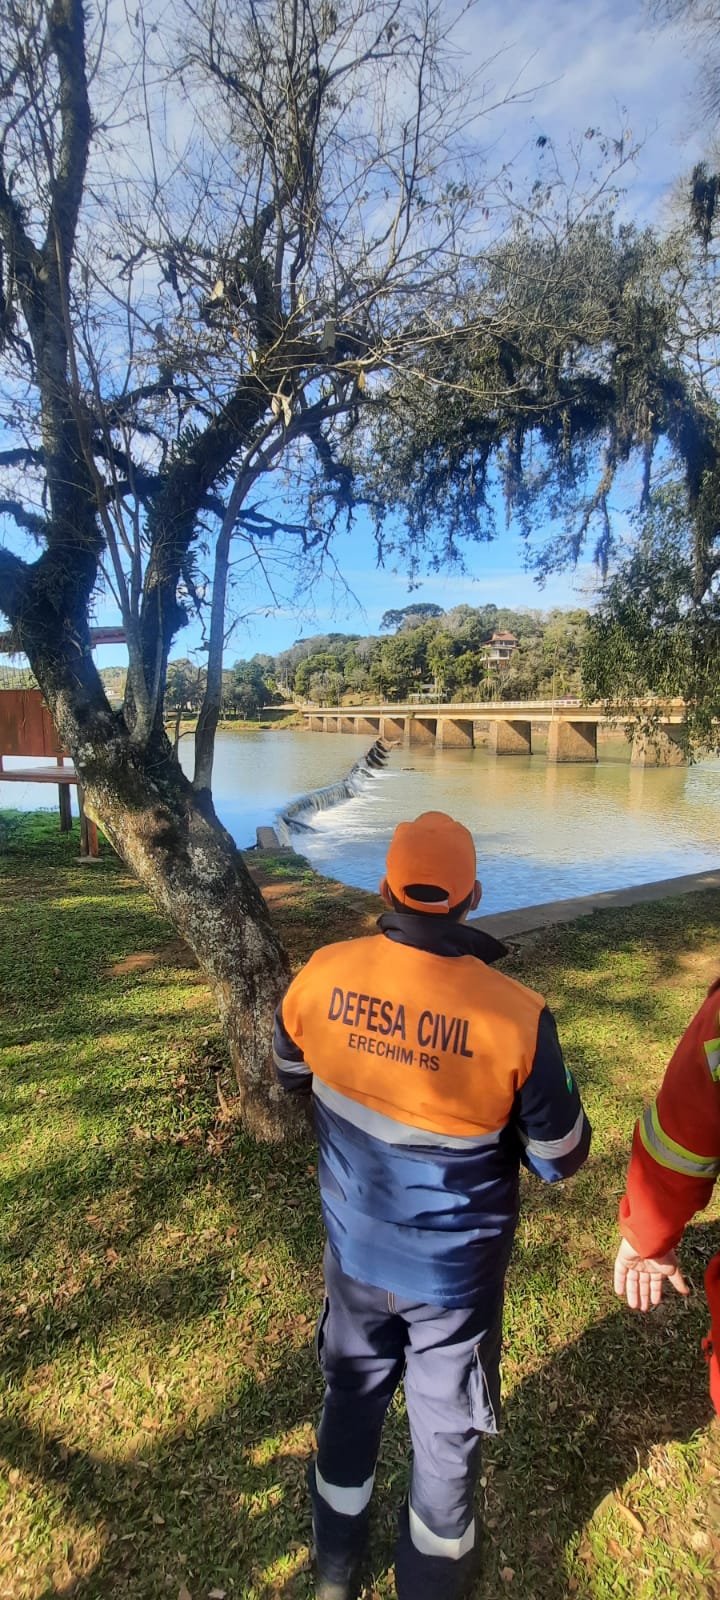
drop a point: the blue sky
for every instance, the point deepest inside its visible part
(594, 64)
(602, 64)
(495, 574)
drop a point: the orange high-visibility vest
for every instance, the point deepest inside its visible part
(442, 1044)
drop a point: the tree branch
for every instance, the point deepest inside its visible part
(13, 577)
(119, 407)
(264, 526)
(22, 456)
(66, 33)
(136, 480)
(24, 518)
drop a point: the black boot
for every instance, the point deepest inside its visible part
(419, 1577)
(327, 1589)
(339, 1544)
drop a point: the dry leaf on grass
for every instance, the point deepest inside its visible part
(631, 1518)
(507, 1574)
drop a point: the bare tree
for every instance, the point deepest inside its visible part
(700, 23)
(219, 230)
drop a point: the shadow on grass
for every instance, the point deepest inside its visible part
(224, 1502)
(69, 1211)
(654, 934)
(582, 1424)
(73, 947)
(205, 1504)
(53, 1036)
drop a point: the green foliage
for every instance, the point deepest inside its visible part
(185, 686)
(398, 667)
(656, 632)
(323, 663)
(409, 616)
(444, 653)
(251, 684)
(540, 408)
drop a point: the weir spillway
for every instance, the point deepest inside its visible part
(296, 815)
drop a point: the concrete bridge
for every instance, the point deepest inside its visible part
(572, 728)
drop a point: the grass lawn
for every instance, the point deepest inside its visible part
(160, 1275)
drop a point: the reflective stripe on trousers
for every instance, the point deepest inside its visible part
(452, 1389)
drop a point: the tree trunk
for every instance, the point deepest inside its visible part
(187, 861)
(191, 867)
(210, 709)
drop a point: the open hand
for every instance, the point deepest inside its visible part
(642, 1280)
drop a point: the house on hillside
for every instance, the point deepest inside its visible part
(500, 651)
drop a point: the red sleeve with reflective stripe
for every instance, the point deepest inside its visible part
(659, 1201)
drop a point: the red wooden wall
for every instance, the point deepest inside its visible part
(26, 727)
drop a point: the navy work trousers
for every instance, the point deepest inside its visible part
(451, 1361)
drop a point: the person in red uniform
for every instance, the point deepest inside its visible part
(673, 1166)
(433, 1077)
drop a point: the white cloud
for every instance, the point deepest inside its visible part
(593, 65)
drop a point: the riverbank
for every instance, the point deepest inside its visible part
(161, 1274)
(543, 832)
(265, 724)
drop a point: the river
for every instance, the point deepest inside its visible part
(542, 832)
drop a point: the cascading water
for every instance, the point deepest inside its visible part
(333, 794)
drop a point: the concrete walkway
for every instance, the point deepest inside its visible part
(509, 924)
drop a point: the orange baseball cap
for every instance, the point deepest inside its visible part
(436, 851)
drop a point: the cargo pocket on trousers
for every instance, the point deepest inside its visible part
(320, 1333)
(484, 1395)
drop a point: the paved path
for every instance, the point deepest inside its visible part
(508, 924)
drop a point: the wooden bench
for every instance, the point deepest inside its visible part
(26, 729)
(63, 777)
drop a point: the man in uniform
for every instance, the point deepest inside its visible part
(433, 1077)
(673, 1166)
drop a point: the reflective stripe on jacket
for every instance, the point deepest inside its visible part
(676, 1145)
(675, 1157)
(433, 1077)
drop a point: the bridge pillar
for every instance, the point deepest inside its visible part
(571, 741)
(423, 730)
(453, 733)
(332, 724)
(510, 738)
(394, 729)
(316, 724)
(367, 724)
(347, 724)
(666, 747)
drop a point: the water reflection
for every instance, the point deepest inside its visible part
(542, 831)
